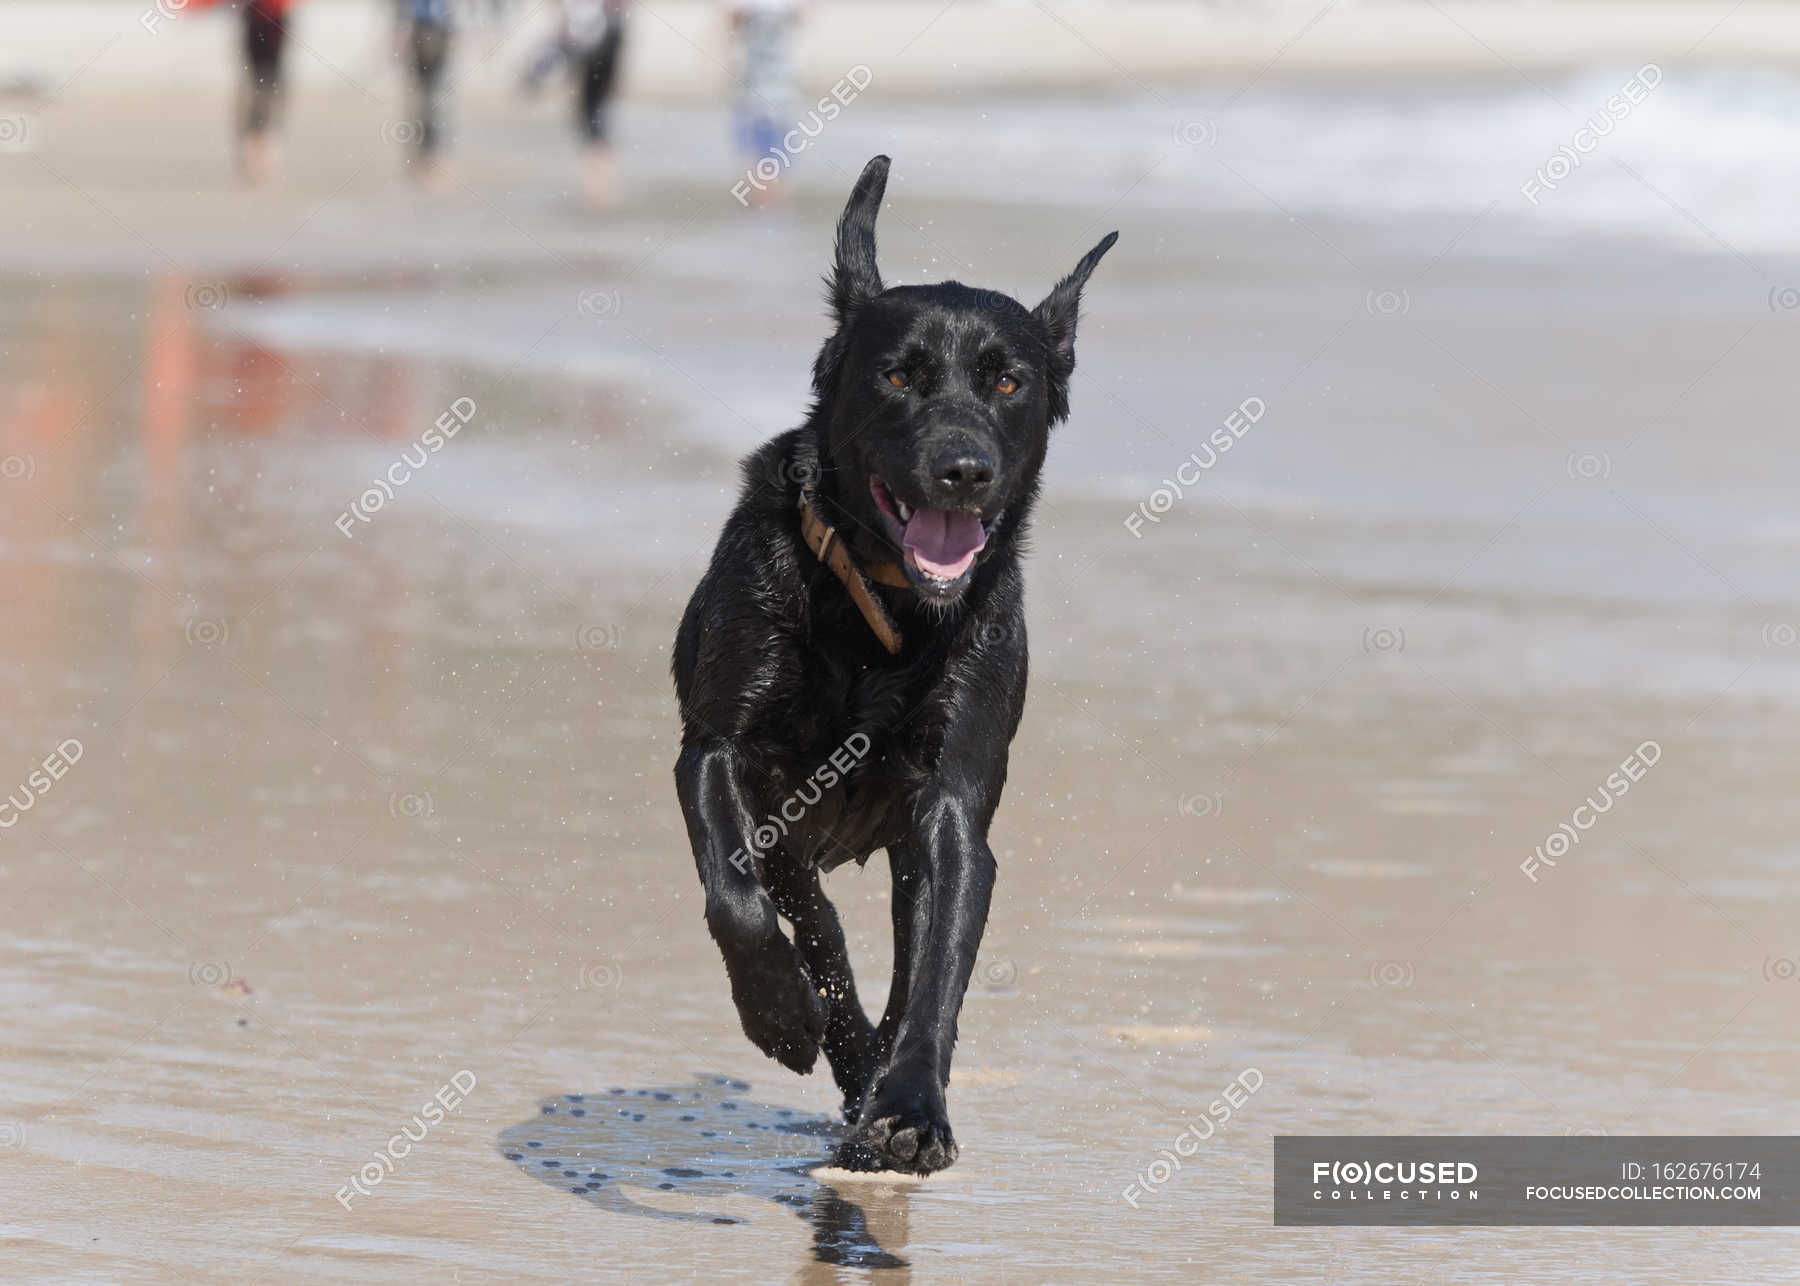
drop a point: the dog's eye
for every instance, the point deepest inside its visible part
(1007, 385)
(898, 378)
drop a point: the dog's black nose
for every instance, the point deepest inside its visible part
(962, 472)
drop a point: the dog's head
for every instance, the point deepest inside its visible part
(937, 403)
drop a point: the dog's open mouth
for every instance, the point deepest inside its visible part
(940, 545)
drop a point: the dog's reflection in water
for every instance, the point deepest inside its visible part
(699, 1140)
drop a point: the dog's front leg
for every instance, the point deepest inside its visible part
(777, 1002)
(906, 1123)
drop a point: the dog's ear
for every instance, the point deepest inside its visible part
(1060, 307)
(1058, 313)
(855, 279)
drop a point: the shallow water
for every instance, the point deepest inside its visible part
(354, 815)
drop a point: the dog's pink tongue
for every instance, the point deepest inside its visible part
(944, 543)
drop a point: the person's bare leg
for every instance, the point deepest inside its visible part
(257, 156)
(769, 197)
(432, 173)
(599, 177)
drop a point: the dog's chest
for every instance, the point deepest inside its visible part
(851, 764)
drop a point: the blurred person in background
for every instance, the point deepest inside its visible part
(593, 31)
(423, 39)
(265, 38)
(765, 96)
(550, 54)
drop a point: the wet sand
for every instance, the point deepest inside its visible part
(359, 821)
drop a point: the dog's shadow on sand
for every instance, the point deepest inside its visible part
(707, 1139)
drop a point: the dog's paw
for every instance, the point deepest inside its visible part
(909, 1132)
(782, 1011)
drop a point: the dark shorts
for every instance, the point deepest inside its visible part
(265, 34)
(598, 69)
(430, 58)
(430, 51)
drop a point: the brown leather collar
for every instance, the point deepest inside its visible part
(822, 538)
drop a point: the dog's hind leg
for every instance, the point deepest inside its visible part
(849, 1044)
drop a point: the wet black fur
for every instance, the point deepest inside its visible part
(776, 669)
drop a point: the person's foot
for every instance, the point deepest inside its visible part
(598, 180)
(256, 158)
(770, 196)
(431, 174)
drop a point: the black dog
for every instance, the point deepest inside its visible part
(824, 717)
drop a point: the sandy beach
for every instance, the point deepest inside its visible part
(363, 807)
